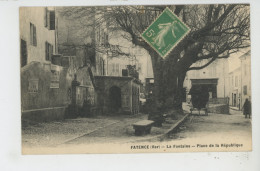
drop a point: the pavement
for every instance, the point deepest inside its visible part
(183, 129)
(100, 129)
(215, 129)
(234, 108)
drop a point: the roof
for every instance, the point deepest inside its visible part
(235, 70)
(248, 53)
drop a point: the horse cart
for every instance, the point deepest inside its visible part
(199, 100)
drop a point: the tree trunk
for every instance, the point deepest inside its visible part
(168, 85)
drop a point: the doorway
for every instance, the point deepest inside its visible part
(115, 98)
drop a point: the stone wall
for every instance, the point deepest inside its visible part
(105, 83)
(44, 91)
(126, 85)
(219, 108)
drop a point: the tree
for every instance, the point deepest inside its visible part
(216, 32)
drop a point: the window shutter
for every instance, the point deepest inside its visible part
(48, 19)
(50, 52)
(52, 20)
(245, 90)
(34, 36)
(46, 52)
(31, 33)
(45, 17)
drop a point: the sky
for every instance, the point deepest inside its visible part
(234, 61)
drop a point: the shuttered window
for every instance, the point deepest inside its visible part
(245, 90)
(33, 35)
(52, 20)
(48, 51)
(49, 19)
(45, 17)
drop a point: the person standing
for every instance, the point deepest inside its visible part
(247, 108)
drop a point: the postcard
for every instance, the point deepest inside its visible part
(135, 79)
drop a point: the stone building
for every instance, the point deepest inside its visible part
(240, 81)
(118, 94)
(215, 76)
(235, 88)
(98, 75)
(44, 84)
(245, 76)
(37, 34)
(214, 79)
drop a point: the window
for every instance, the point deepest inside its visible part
(52, 20)
(49, 19)
(33, 37)
(45, 17)
(245, 68)
(23, 53)
(117, 70)
(48, 51)
(113, 68)
(245, 90)
(103, 67)
(236, 81)
(106, 42)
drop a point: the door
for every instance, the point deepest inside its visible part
(115, 98)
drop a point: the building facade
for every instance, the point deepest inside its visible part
(235, 88)
(240, 82)
(97, 67)
(245, 76)
(117, 95)
(214, 76)
(44, 84)
(37, 34)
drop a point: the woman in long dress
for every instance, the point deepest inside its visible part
(247, 108)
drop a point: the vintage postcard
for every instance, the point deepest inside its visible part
(135, 79)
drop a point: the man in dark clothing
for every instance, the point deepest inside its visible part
(247, 108)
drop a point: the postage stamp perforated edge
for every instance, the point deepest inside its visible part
(172, 14)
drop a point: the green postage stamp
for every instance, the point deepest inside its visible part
(165, 32)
